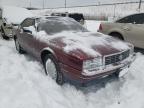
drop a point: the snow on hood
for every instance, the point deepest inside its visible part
(87, 42)
(15, 14)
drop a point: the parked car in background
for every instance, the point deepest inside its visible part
(10, 18)
(77, 16)
(129, 28)
(69, 51)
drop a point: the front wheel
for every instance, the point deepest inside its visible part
(52, 69)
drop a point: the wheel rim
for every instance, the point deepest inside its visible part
(17, 45)
(51, 69)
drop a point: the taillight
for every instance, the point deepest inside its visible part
(100, 27)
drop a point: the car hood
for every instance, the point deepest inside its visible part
(86, 45)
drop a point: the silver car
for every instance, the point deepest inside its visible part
(129, 28)
(10, 18)
(5, 27)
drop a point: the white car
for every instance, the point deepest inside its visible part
(129, 28)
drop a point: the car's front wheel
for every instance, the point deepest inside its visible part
(52, 69)
(18, 47)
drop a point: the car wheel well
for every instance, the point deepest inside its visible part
(44, 53)
(117, 35)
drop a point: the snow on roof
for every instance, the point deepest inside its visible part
(15, 14)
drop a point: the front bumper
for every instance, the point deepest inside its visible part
(76, 77)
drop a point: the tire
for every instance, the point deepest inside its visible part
(116, 74)
(52, 69)
(117, 35)
(3, 34)
(18, 47)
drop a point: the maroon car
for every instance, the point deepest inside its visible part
(69, 51)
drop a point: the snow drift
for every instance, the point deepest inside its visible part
(24, 84)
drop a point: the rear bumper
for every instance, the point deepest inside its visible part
(76, 76)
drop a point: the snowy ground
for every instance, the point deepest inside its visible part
(92, 25)
(23, 84)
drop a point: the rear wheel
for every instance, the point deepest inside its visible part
(4, 35)
(52, 69)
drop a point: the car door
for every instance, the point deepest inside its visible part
(136, 32)
(132, 28)
(26, 36)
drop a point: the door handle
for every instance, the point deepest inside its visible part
(126, 28)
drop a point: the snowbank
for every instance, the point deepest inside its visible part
(24, 84)
(92, 25)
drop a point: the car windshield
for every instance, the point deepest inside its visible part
(56, 25)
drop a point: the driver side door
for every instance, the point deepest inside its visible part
(26, 38)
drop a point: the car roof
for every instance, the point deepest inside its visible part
(45, 18)
(40, 17)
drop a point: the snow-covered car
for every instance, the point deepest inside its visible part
(10, 18)
(79, 17)
(129, 28)
(70, 52)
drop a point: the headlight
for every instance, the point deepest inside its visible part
(92, 65)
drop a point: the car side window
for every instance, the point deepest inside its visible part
(141, 19)
(134, 19)
(28, 22)
(138, 19)
(127, 19)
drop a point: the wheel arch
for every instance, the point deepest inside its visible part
(46, 51)
(116, 33)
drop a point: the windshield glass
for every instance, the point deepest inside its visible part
(56, 25)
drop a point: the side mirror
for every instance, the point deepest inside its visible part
(27, 30)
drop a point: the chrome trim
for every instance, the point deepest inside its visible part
(125, 62)
(112, 55)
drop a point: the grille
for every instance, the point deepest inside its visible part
(116, 58)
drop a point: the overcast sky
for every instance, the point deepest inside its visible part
(56, 3)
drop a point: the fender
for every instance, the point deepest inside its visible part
(49, 50)
(116, 31)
